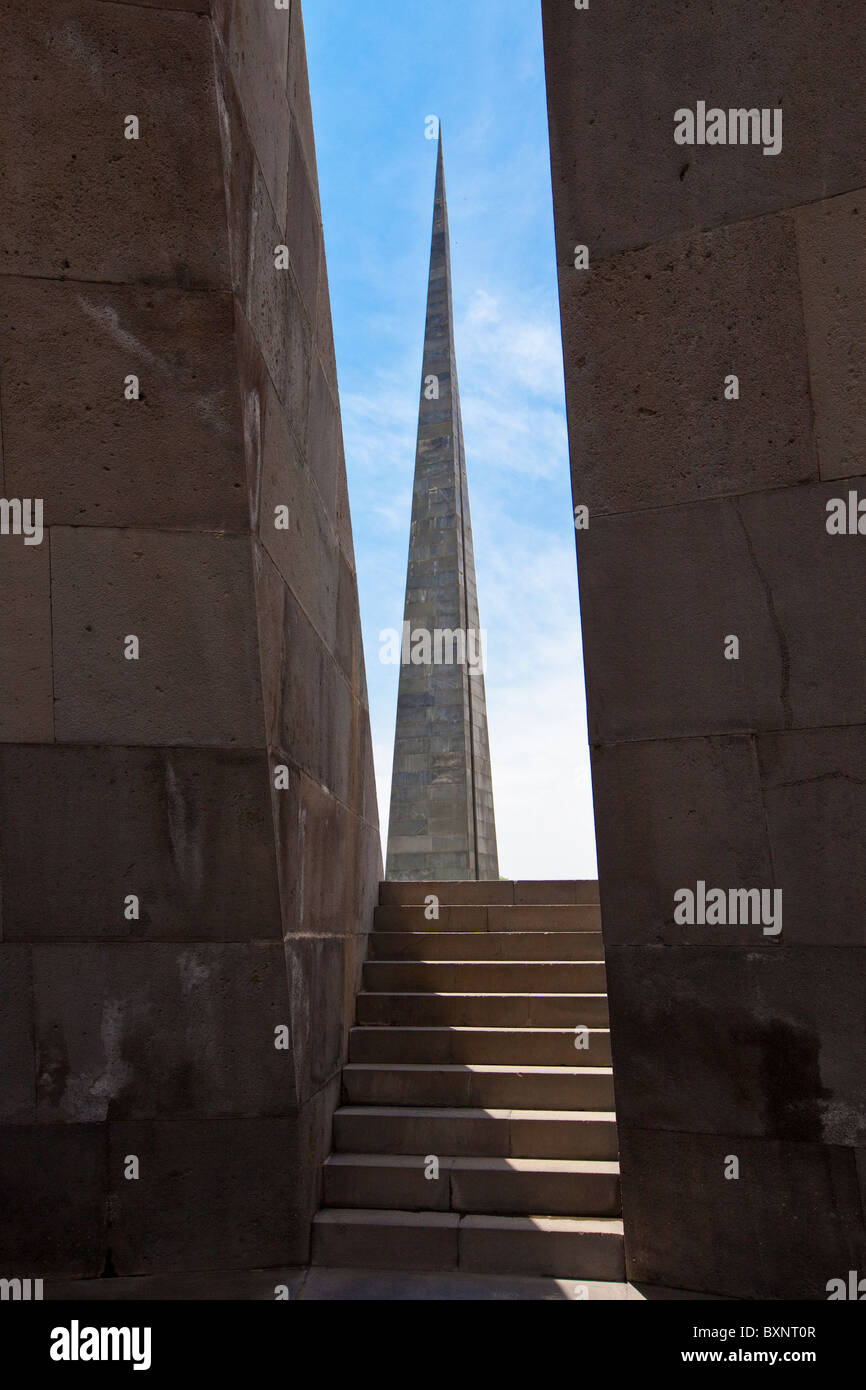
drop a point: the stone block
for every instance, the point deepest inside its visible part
(26, 681)
(256, 44)
(756, 1237)
(187, 831)
(830, 237)
(319, 723)
(315, 831)
(325, 327)
(238, 172)
(750, 1042)
(648, 420)
(815, 799)
(324, 438)
(809, 578)
(189, 600)
(121, 210)
(316, 971)
(274, 310)
(171, 458)
(675, 585)
(54, 1212)
(670, 814)
(17, 1077)
(303, 224)
(298, 87)
(349, 643)
(615, 78)
(212, 1194)
(304, 549)
(160, 1032)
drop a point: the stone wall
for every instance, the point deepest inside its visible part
(707, 521)
(153, 1036)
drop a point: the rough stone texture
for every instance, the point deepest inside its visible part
(162, 779)
(616, 77)
(26, 689)
(150, 1031)
(777, 1198)
(98, 459)
(442, 822)
(830, 242)
(651, 422)
(708, 519)
(17, 1101)
(54, 1200)
(189, 601)
(776, 1063)
(81, 202)
(187, 830)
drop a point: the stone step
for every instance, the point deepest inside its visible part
(483, 1010)
(469, 1132)
(586, 1248)
(549, 1088)
(484, 977)
(511, 1186)
(540, 1047)
(468, 918)
(499, 892)
(518, 945)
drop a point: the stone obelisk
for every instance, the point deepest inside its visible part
(441, 824)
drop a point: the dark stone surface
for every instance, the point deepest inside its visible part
(667, 674)
(54, 1203)
(156, 1032)
(760, 1232)
(211, 1194)
(830, 242)
(777, 1062)
(188, 831)
(669, 813)
(322, 996)
(651, 425)
(814, 791)
(148, 210)
(97, 459)
(17, 1089)
(26, 691)
(616, 76)
(189, 600)
(256, 46)
(306, 554)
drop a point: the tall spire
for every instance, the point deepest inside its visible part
(441, 824)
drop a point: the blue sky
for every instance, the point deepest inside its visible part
(378, 69)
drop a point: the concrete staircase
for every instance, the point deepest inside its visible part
(464, 1051)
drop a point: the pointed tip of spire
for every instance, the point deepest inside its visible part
(440, 164)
